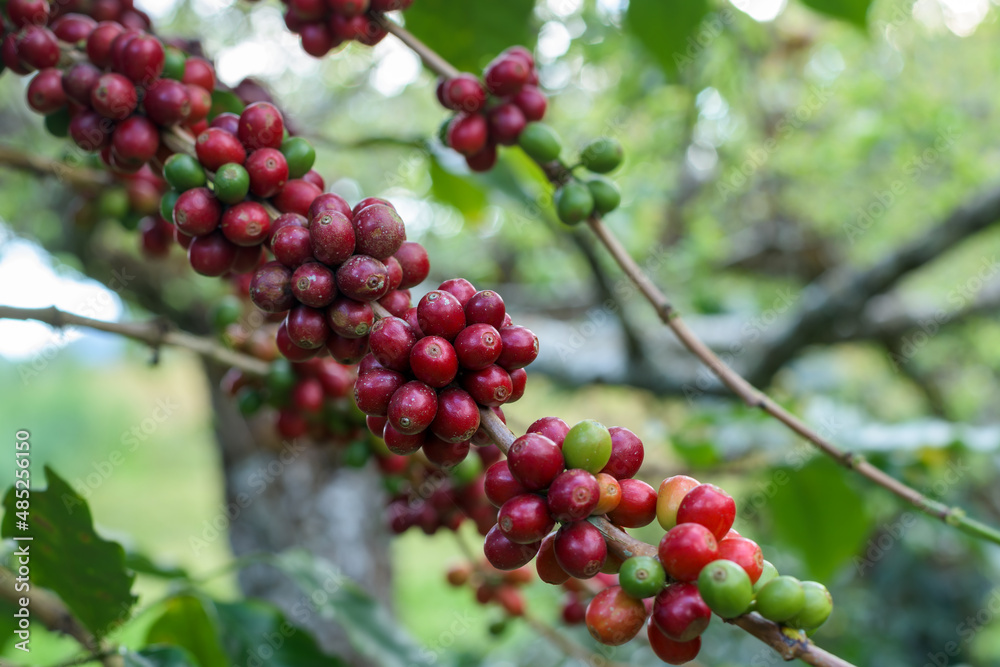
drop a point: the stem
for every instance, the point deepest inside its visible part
(753, 397)
(153, 333)
(79, 178)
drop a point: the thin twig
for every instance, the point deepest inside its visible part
(434, 62)
(80, 178)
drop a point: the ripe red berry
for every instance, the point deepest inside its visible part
(613, 618)
(333, 238)
(534, 461)
(347, 350)
(504, 554)
(626, 453)
(201, 104)
(457, 416)
(433, 362)
(391, 340)
(686, 549)
(467, 133)
(507, 75)
(292, 246)
(156, 236)
(296, 197)
(261, 126)
(227, 121)
(460, 288)
(373, 390)
(744, 552)
(37, 47)
(412, 407)
(379, 231)
(73, 28)
(350, 318)
(79, 82)
(45, 92)
(362, 278)
(28, 12)
(271, 288)
(463, 93)
(246, 224)
(506, 123)
(216, 147)
(440, 314)
(402, 444)
(211, 254)
(519, 381)
(142, 60)
(553, 428)
(490, 386)
(328, 202)
(307, 327)
(412, 258)
(710, 506)
(485, 307)
(312, 283)
(290, 350)
(396, 302)
(525, 519)
(680, 613)
(199, 72)
(307, 395)
(520, 347)
(477, 346)
(197, 212)
(580, 549)
(167, 102)
(547, 566)
(114, 97)
(312, 177)
(268, 172)
(531, 102)
(637, 506)
(573, 495)
(500, 484)
(670, 651)
(135, 141)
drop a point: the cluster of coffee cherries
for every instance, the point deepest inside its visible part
(431, 369)
(494, 111)
(493, 586)
(323, 25)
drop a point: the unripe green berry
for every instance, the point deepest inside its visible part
(587, 446)
(227, 311)
(57, 123)
(113, 203)
(232, 183)
(249, 400)
(183, 172)
(466, 471)
(817, 608)
(574, 203)
(769, 572)
(280, 380)
(602, 155)
(725, 587)
(357, 454)
(781, 599)
(642, 577)
(443, 130)
(540, 142)
(173, 63)
(299, 154)
(605, 193)
(167, 202)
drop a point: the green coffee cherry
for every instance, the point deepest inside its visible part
(781, 599)
(587, 446)
(280, 380)
(173, 63)
(467, 471)
(232, 182)
(574, 203)
(183, 172)
(725, 587)
(602, 155)
(167, 202)
(443, 130)
(642, 577)
(299, 154)
(817, 608)
(249, 400)
(357, 454)
(130, 221)
(769, 572)
(540, 142)
(605, 193)
(227, 311)
(57, 123)
(113, 203)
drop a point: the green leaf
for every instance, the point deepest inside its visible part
(159, 656)
(370, 628)
(190, 622)
(468, 34)
(256, 632)
(462, 193)
(852, 11)
(819, 515)
(68, 557)
(664, 26)
(145, 565)
(223, 101)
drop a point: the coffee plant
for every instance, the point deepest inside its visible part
(353, 352)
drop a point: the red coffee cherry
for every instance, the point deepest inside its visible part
(525, 519)
(445, 454)
(350, 318)
(686, 549)
(45, 92)
(504, 554)
(553, 428)
(626, 453)
(531, 102)
(167, 102)
(467, 133)
(307, 327)
(290, 350)
(261, 126)
(142, 59)
(710, 506)
(296, 197)
(462, 93)
(637, 506)
(312, 283)
(374, 390)
(412, 258)
(347, 350)
(99, 43)
(114, 97)
(547, 566)
(156, 236)
(520, 347)
(37, 47)
(460, 288)
(433, 361)
(201, 104)
(362, 278)
(135, 141)
(391, 340)
(500, 485)
(534, 461)
(490, 386)
(518, 380)
(247, 224)
(477, 346)
(292, 245)
(396, 302)
(27, 12)
(197, 212)
(507, 75)
(613, 618)
(268, 171)
(485, 307)
(670, 651)
(379, 231)
(216, 147)
(271, 288)
(401, 443)
(329, 202)
(580, 549)
(227, 121)
(680, 613)
(307, 396)
(440, 314)
(573, 495)
(412, 408)
(744, 552)
(333, 238)
(199, 72)
(457, 416)
(79, 82)
(212, 254)
(73, 28)
(507, 121)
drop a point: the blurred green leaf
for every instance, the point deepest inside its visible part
(256, 629)
(68, 557)
(145, 565)
(663, 27)
(190, 622)
(470, 34)
(852, 11)
(370, 628)
(159, 656)
(465, 195)
(819, 515)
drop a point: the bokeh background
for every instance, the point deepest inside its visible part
(775, 153)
